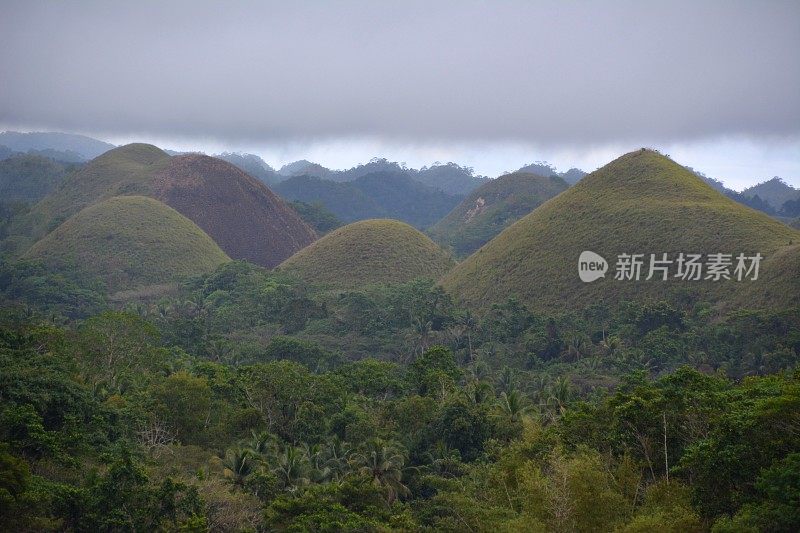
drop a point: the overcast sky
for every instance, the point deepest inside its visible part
(490, 84)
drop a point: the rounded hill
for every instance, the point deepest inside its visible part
(492, 207)
(369, 251)
(127, 242)
(245, 218)
(641, 203)
(240, 213)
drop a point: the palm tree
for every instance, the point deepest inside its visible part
(478, 392)
(292, 468)
(444, 460)
(468, 322)
(506, 381)
(262, 444)
(239, 464)
(513, 406)
(336, 454)
(383, 463)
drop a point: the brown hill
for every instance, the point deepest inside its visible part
(240, 213)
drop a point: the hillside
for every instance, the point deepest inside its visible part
(640, 203)
(126, 170)
(243, 216)
(85, 147)
(29, 178)
(240, 213)
(127, 242)
(370, 251)
(253, 165)
(493, 207)
(449, 178)
(375, 195)
(543, 168)
(774, 192)
(345, 200)
(406, 199)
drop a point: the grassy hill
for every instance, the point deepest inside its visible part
(127, 242)
(642, 203)
(122, 171)
(240, 213)
(493, 207)
(370, 251)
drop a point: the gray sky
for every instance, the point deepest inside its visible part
(491, 84)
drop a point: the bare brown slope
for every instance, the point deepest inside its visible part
(245, 218)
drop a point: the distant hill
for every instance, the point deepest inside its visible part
(543, 168)
(406, 199)
(85, 147)
(491, 208)
(573, 175)
(240, 213)
(450, 178)
(345, 200)
(774, 192)
(753, 200)
(253, 165)
(376, 195)
(316, 216)
(369, 251)
(29, 178)
(642, 203)
(127, 242)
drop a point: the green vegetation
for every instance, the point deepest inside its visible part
(373, 195)
(316, 216)
(250, 401)
(493, 207)
(122, 171)
(370, 251)
(29, 178)
(128, 241)
(640, 203)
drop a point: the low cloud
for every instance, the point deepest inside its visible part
(550, 73)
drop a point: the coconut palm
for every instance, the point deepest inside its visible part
(383, 463)
(513, 406)
(336, 454)
(239, 464)
(262, 443)
(292, 468)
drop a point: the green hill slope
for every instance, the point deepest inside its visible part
(493, 207)
(641, 203)
(126, 170)
(370, 251)
(129, 241)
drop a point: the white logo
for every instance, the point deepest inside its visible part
(591, 266)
